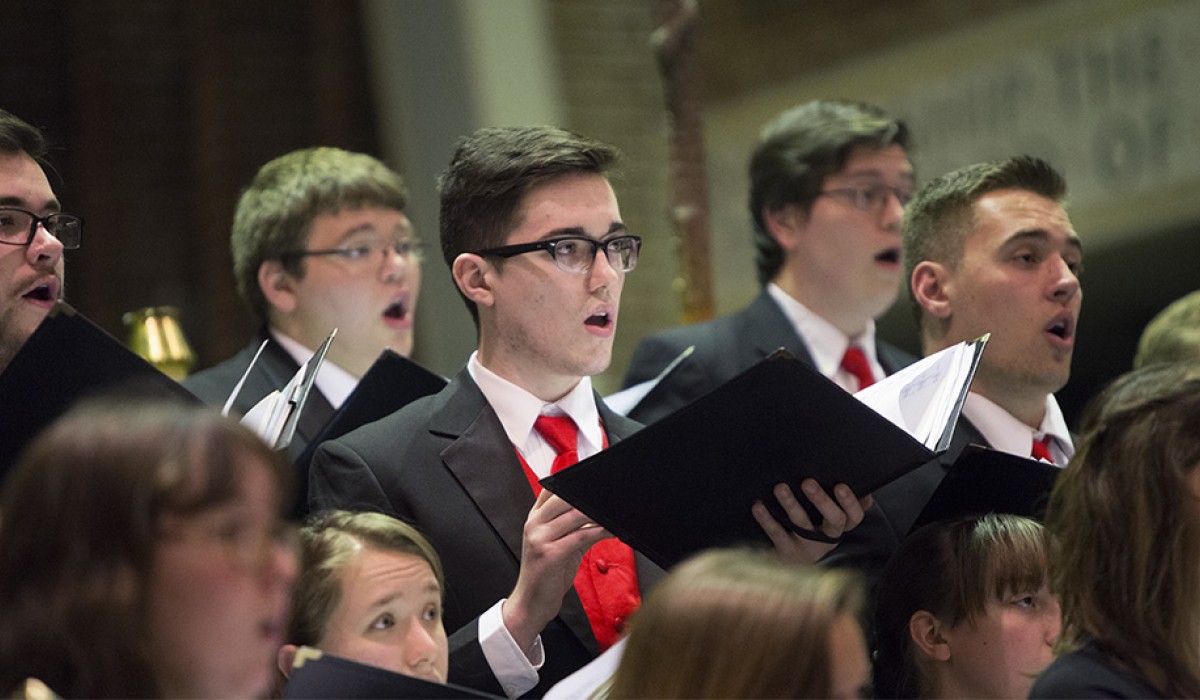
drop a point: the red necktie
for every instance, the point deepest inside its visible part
(855, 362)
(1041, 449)
(607, 578)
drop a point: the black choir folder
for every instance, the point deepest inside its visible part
(391, 383)
(983, 480)
(318, 675)
(69, 357)
(687, 482)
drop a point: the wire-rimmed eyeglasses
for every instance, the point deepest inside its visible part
(362, 251)
(18, 227)
(577, 253)
(870, 197)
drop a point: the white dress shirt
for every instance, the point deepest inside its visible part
(1004, 432)
(334, 382)
(825, 342)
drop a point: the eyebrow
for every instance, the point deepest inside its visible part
(580, 232)
(10, 201)
(431, 587)
(908, 175)
(1043, 235)
(405, 231)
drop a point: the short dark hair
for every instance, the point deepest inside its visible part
(17, 136)
(275, 212)
(801, 147)
(493, 169)
(940, 218)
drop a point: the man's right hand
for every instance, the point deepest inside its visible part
(556, 536)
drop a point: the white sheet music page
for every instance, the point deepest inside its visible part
(925, 398)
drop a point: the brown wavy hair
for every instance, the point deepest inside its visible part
(80, 519)
(736, 624)
(1124, 520)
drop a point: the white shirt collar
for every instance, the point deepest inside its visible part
(1004, 432)
(334, 382)
(825, 342)
(518, 409)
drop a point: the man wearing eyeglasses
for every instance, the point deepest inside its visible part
(320, 241)
(534, 238)
(33, 234)
(828, 185)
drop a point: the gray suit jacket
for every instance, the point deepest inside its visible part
(725, 347)
(445, 465)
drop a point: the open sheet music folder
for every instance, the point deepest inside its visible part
(67, 358)
(687, 482)
(318, 675)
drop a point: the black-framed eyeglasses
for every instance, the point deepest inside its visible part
(361, 251)
(577, 253)
(18, 227)
(870, 197)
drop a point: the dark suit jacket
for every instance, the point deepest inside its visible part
(725, 347)
(444, 464)
(1088, 672)
(870, 546)
(274, 369)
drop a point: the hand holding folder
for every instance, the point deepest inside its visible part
(687, 482)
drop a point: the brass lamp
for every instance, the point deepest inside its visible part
(155, 334)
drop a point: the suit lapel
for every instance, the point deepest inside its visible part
(771, 329)
(892, 358)
(484, 461)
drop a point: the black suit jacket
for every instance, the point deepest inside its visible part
(274, 369)
(444, 464)
(724, 348)
(1088, 672)
(870, 546)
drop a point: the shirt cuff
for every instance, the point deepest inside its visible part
(516, 671)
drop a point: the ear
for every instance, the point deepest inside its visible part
(277, 285)
(471, 273)
(785, 224)
(926, 633)
(284, 659)
(930, 287)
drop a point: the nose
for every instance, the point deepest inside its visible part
(283, 566)
(395, 264)
(44, 250)
(1053, 621)
(892, 214)
(1065, 284)
(420, 646)
(602, 273)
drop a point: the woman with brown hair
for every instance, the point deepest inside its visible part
(1124, 520)
(143, 554)
(964, 610)
(370, 590)
(745, 624)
